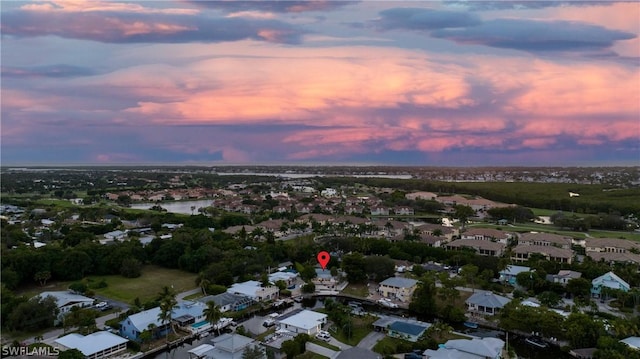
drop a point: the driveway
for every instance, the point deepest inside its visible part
(321, 350)
(371, 340)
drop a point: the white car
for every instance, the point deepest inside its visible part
(323, 335)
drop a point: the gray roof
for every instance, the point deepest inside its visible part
(225, 298)
(488, 299)
(92, 343)
(485, 347)
(65, 297)
(633, 342)
(357, 353)
(399, 282)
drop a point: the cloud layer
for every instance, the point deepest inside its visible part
(190, 82)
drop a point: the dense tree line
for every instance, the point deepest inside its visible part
(593, 199)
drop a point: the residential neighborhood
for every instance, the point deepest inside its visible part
(214, 272)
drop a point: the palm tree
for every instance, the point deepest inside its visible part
(168, 302)
(204, 284)
(212, 314)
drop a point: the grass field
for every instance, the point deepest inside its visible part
(146, 286)
(356, 289)
(361, 327)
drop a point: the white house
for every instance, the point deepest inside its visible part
(254, 290)
(226, 346)
(485, 348)
(302, 321)
(65, 300)
(94, 346)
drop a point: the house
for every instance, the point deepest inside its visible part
(632, 342)
(614, 257)
(485, 303)
(430, 196)
(288, 277)
(302, 321)
(403, 211)
(132, 326)
(608, 280)
(438, 230)
(486, 234)
(563, 277)
(93, 346)
(510, 273)
(324, 280)
(186, 314)
(431, 241)
(65, 300)
(228, 302)
(226, 346)
(398, 288)
(611, 245)
(411, 331)
(612, 250)
(485, 348)
(544, 239)
(485, 248)
(523, 252)
(379, 211)
(255, 290)
(115, 235)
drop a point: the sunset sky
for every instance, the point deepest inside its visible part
(450, 83)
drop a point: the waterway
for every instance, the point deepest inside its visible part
(311, 175)
(181, 207)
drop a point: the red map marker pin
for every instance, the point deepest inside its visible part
(323, 259)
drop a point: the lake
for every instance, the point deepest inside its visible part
(181, 207)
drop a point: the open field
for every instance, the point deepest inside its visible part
(356, 289)
(146, 286)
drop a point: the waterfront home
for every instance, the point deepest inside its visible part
(398, 288)
(608, 280)
(485, 304)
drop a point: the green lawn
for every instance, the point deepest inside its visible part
(361, 327)
(356, 289)
(388, 345)
(310, 355)
(146, 286)
(324, 344)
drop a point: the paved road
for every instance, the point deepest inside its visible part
(371, 340)
(312, 347)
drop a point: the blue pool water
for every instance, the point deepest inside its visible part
(199, 324)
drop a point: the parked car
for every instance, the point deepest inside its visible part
(323, 335)
(269, 323)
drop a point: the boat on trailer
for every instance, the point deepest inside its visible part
(537, 342)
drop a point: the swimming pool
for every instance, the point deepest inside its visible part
(199, 324)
